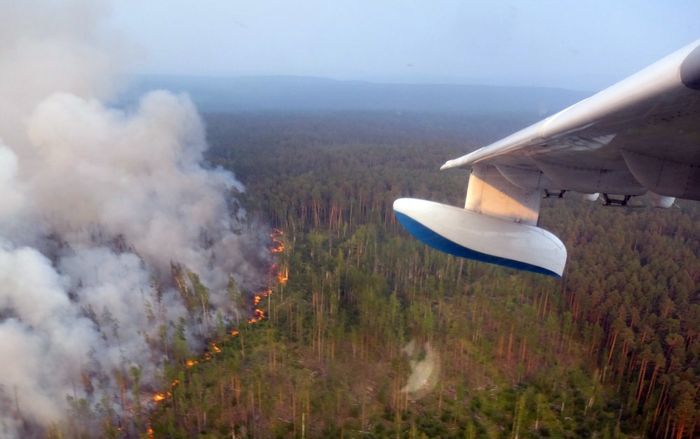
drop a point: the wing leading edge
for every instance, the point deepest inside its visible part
(639, 135)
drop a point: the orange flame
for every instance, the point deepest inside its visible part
(278, 248)
(277, 244)
(283, 276)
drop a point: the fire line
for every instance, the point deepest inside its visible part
(280, 275)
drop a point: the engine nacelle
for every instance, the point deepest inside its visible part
(472, 235)
(661, 200)
(591, 197)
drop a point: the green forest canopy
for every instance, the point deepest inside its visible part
(612, 349)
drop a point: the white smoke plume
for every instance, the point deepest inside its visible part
(98, 208)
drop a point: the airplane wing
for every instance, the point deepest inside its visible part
(640, 135)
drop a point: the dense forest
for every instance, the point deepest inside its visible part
(356, 307)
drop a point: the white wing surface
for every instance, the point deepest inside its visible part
(640, 135)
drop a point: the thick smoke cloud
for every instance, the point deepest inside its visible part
(98, 208)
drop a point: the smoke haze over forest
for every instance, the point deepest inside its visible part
(280, 93)
(97, 206)
(565, 44)
(123, 248)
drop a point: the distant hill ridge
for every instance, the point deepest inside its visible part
(298, 93)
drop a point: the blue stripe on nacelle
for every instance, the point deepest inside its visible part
(426, 235)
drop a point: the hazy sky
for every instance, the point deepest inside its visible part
(573, 44)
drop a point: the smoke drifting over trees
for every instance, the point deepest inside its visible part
(97, 207)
